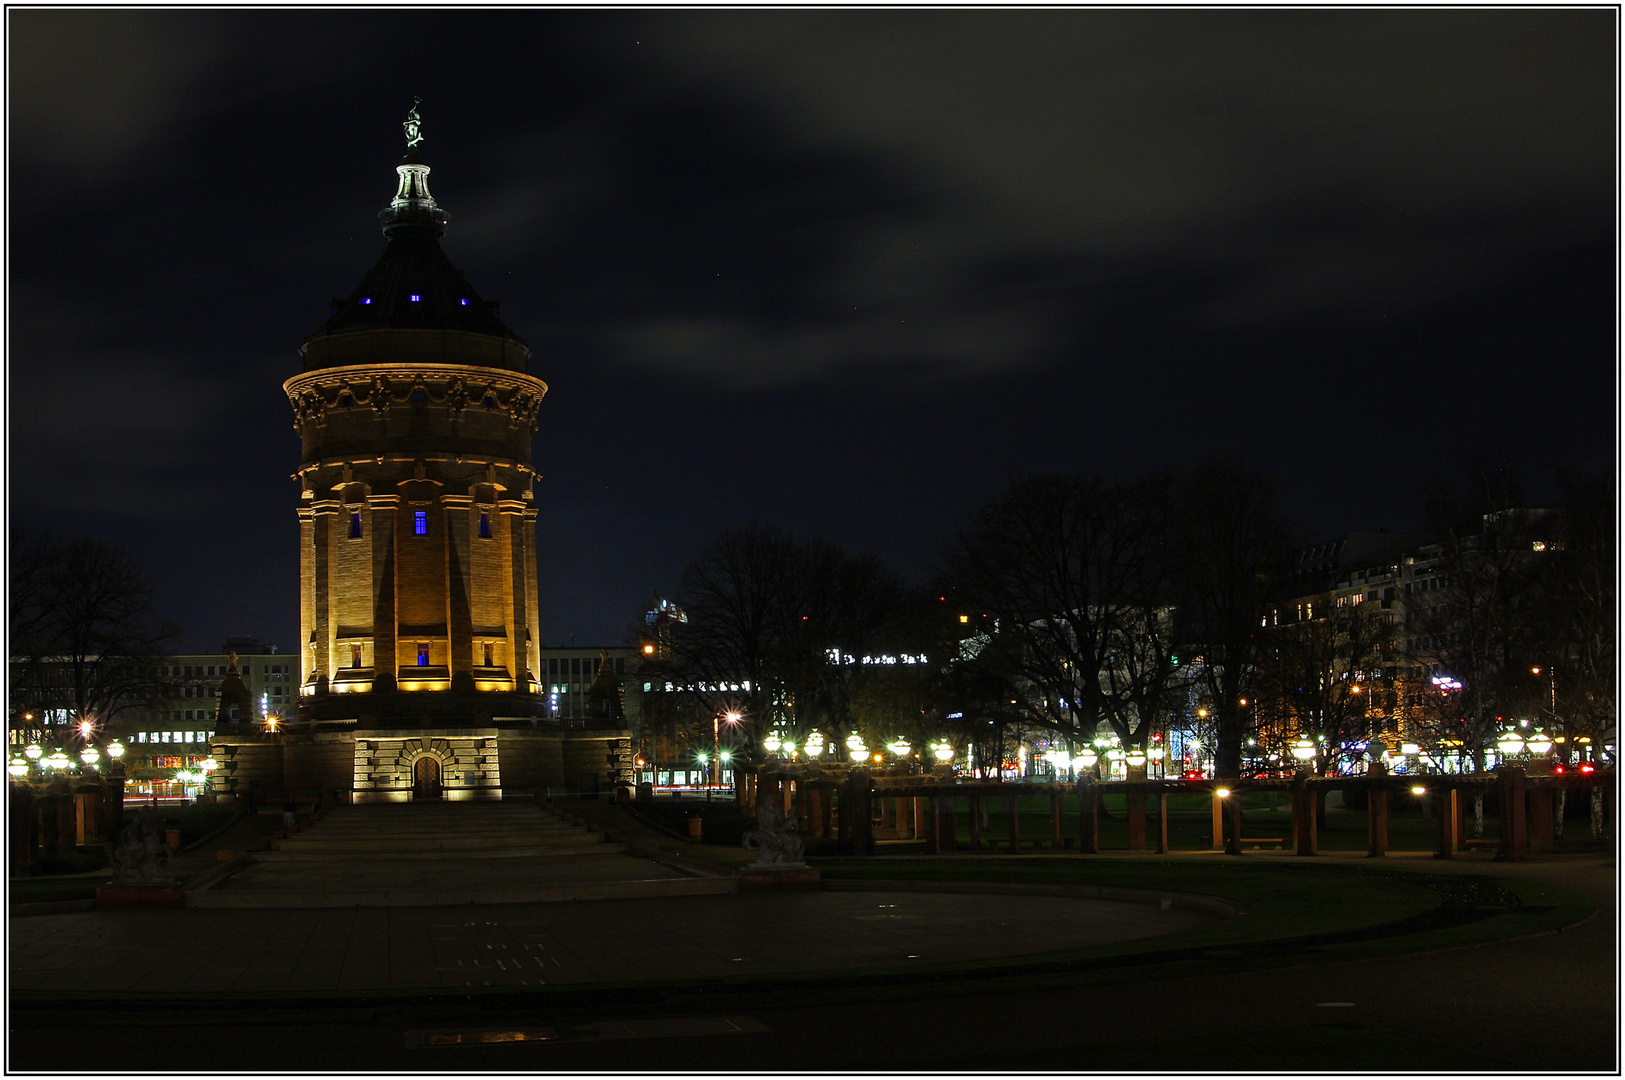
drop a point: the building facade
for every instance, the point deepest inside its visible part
(418, 665)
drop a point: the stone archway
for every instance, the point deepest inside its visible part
(426, 782)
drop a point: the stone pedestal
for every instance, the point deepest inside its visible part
(779, 879)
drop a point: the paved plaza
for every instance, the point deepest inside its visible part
(396, 948)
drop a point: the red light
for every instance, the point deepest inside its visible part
(1557, 768)
(1587, 768)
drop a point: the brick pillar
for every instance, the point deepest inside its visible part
(919, 812)
(1376, 817)
(975, 823)
(1541, 838)
(1162, 823)
(1447, 808)
(1218, 822)
(950, 824)
(826, 810)
(1055, 822)
(1136, 821)
(1514, 843)
(1088, 818)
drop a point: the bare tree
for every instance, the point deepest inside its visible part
(1075, 578)
(86, 644)
(1230, 541)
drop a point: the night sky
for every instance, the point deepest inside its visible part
(845, 271)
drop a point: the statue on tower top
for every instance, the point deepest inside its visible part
(413, 125)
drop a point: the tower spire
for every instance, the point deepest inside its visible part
(413, 209)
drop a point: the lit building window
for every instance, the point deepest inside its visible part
(485, 526)
(488, 653)
(355, 526)
(420, 522)
(355, 656)
(423, 655)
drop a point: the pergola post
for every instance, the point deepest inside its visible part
(1055, 821)
(918, 814)
(857, 792)
(1162, 823)
(1541, 839)
(1376, 809)
(1447, 808)
(1015, 823)
(1514, 842)
(1136, 821)
(975, 822)
(1232, 840)
(1304, 834)
(1088, 818)
(1218, 821)
(950, 822)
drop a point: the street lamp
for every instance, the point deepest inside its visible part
(855, 748)
(1303, 750)
(58, 760)
(1539, 744)
(90, 755)
(772, 743)
(899, 747)
(943, 752)
(1136, 758)
(115, 750)
(32, 751)
(18, 767)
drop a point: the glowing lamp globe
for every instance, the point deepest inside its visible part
(18, 766)
(1303, 749)
(115, 749)
(32, 751)
(1539, 743)
(1510, 743)
(1136, 758)
(943, 751)
(90, 755)
(772, 742)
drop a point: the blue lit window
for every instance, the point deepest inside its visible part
(420, 522)
(463, 301)
(366, 299)
(485, 526)
(355, 526)
(423, 656)
(414, 297)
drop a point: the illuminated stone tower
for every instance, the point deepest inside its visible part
(417, 558)
(417, 519)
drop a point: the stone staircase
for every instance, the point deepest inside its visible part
(432, 853)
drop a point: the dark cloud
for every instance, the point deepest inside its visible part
(847, 270)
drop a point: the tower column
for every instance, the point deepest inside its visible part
(459, 591)
(385, 658)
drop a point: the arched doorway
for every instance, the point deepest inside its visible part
(426, 778)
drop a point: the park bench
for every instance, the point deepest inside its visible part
(1258, 842)
(1481, 843)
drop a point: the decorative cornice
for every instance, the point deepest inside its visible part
(380, 386)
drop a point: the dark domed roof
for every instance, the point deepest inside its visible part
(414, 286)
